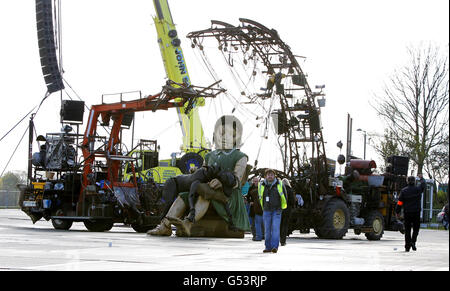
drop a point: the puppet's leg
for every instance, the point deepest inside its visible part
(191, 198)
(169, 195)
(184, 226)
(208, 193)
(176, 210)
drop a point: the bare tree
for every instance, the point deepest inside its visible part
(386, 146)
(437, 163)
(414, 103)
(10, 180)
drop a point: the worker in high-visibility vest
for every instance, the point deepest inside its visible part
(272, 196)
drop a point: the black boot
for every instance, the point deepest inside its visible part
(191, 216)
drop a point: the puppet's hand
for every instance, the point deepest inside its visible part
(215, 184)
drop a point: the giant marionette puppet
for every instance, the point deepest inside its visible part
(210, 201)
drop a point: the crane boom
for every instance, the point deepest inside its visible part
(175, 65)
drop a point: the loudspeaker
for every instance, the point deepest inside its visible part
(127, 119)
(72, 111)
(399, 165)
(299, 80)
(314, 121)
(150, 160)
(280, 122)
(47, 48)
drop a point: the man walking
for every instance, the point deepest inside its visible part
(273, 199)
(286, 213)
(409, 200)
(256, 211)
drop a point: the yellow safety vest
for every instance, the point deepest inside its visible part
(261, 188)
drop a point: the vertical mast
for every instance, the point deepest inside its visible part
(176, 69)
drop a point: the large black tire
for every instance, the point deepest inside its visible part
(61, 224)
(375, 220)
(98, 225)
(335, 220)
(190, 158)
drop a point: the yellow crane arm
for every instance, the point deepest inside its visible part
(176, 69)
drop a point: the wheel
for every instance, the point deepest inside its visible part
(98, 225)
(335, 220)
(185, 162)
(61, 224)
(375, 220)
(108, 225)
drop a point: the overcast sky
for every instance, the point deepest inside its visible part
(109, 46)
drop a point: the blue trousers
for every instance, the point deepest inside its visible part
(272, 220)
(258, 227)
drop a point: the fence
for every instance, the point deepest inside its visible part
(430, 217)
(9, 198)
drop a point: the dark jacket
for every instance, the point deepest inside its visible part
(252, 196)
(410, 198)
(290, 197)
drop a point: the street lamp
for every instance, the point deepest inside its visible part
(365, 138)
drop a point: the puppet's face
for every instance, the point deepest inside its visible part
(227, 133)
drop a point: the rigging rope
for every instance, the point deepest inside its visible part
(39, 107)
(4, 169)
(237, 105)
(17, 123)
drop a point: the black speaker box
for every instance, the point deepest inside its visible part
(40, 4)
(282, 123)
(399, 165)
(52, 79)
(314, 121)
(55, 87)
(151, 160)
(47, 52)
(46, 44)
(299, 80)
(127, 119)
(47, 48)
(72, 111)
(44, 23)
(50, 69)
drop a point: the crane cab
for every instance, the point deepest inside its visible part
(147, 165)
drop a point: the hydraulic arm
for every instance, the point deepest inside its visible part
(170, 97)
(116, 112)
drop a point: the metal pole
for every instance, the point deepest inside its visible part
(365, 136)
(30, 148)
(349, 137)
(431, 201)
(132, 134)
